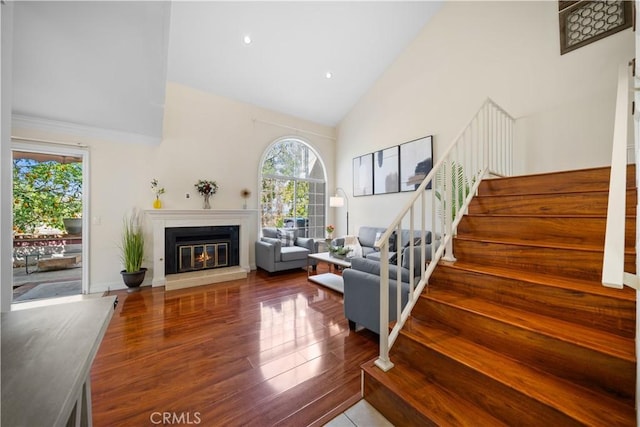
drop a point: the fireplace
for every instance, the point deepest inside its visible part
(201, 248)
(246, 223)
(201, 257)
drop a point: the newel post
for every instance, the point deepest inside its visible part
(383, 361)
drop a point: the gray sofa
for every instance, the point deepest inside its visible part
(362, 288)
(281, 249)
(367, 236)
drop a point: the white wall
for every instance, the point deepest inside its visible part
(510, 52)
(6, 242)
(205, 137)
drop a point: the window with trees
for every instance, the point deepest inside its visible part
(46, 189)
(293, 188)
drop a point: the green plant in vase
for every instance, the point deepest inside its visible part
(339, 251)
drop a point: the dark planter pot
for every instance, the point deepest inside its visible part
(73, 225)
(133, 280)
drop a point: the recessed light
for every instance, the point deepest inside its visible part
(328, 75)
(246, 39)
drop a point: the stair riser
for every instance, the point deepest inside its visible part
(563, 359)
(503, 402)
(602, 312)
(563, 182)
(562, 262)
(576, 231)
(593, 204)
(391, 406)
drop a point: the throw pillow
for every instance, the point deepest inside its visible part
(392, 241)
(353, 244)
(378, 236)
(394, 258)
(287, 237)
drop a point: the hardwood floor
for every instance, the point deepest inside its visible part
(268, 350)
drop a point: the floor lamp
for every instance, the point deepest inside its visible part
(338, 202)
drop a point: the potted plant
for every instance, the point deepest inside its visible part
(132, 247)
(73, 225)
(339, 251)
(459, 188)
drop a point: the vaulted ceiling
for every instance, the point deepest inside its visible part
(106, 64)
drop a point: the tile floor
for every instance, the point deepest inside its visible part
(362, 414)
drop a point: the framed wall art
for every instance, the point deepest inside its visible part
(416, 161)
(363, 175)
(385, 171)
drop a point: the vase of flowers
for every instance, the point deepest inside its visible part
(157, 190)
(330, 229)
(206, 188)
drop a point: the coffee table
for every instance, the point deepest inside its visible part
(330, 279)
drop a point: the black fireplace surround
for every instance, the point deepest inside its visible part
(179, 236)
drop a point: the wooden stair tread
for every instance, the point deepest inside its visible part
(541, 215)
(439, 405)
(575, 284)
(568, 231)
(569, 193)
(545, 193)
(589, 203)
(537, 244)
(592, 179)
(582, 404)
(576, 193)
(567, 261)
(603, 342)
(538, 215)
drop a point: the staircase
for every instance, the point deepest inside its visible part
(519, 330)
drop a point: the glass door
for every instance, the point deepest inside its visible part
(49, 217)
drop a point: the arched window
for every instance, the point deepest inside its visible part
(293, 188)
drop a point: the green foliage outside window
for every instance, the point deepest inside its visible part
(283, 198)
(286, 172)
(44, 193)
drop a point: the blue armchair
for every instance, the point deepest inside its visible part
(281, 249)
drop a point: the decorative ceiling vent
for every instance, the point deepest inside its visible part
(583, 22)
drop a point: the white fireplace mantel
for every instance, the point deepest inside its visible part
(161, 219)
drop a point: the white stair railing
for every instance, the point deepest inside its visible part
(613, 274)
(484, 147)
